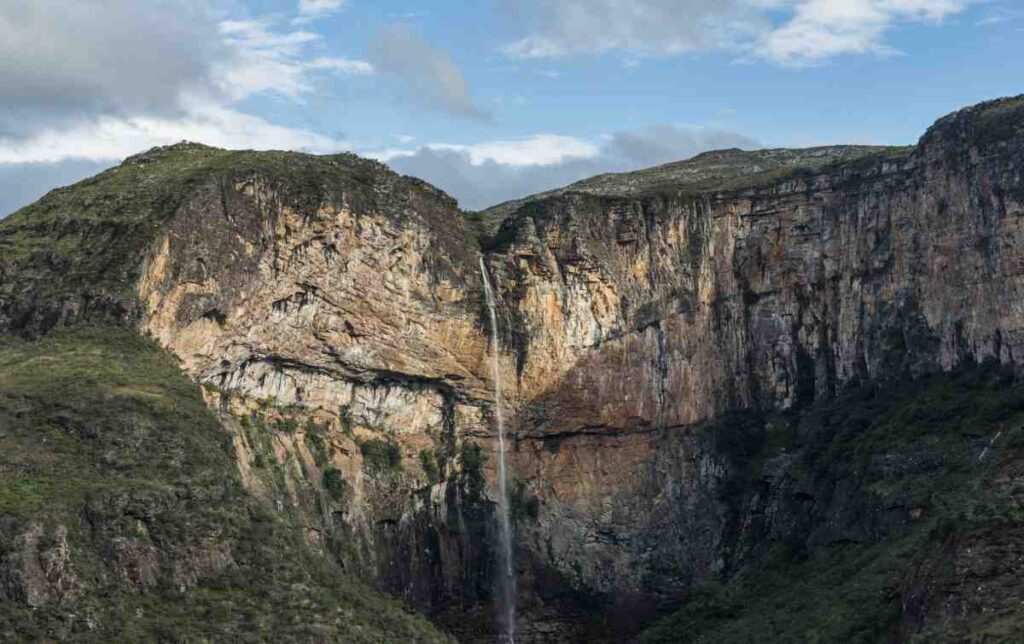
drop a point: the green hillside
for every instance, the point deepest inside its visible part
(122, 517)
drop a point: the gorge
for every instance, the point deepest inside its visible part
(765, 395)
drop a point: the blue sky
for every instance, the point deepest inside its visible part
(492, 99)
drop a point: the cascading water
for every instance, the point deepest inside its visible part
(506, 575)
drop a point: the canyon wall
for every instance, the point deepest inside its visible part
(634, 316)
(334, 313)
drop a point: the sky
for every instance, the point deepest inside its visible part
(489, 100)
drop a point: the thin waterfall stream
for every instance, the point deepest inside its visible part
(506, 590)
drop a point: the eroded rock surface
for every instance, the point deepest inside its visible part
(335, 315)
(662, 305)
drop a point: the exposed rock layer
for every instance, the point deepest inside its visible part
(631, 308)
(666, 307)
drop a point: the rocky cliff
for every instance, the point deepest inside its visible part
(669, 303)
(651, 324)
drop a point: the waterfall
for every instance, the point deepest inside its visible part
(506, 575)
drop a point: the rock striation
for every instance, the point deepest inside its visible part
(334, 313)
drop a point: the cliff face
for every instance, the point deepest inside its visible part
(356, 315)
(668, 306)
(765, 295)
(334, 313)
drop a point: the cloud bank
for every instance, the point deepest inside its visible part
(785, 32)
(98, 80)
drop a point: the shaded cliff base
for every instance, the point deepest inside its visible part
(893, 513)
(122, 517)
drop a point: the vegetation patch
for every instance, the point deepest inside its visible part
(335, 484)
(999, 121)
(380, 456)
(259, 436)
(472, 456)
(428, 461)
(346, 421)
(286, 425)
(315, 444)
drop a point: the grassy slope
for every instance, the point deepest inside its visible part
(902, 446)
(101, 433)
(91, 233)
(131, 201)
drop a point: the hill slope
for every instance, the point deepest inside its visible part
(122, 516)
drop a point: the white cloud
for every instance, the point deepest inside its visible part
(268, 60)
(310, 10)
(998, 14)
(61, 60)
(110, 138)
(538, 150)
(657, 27)
(543, 149)
(102, 84)
(343, 65)
(787, 32)
(262, 61)
(821, 29)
